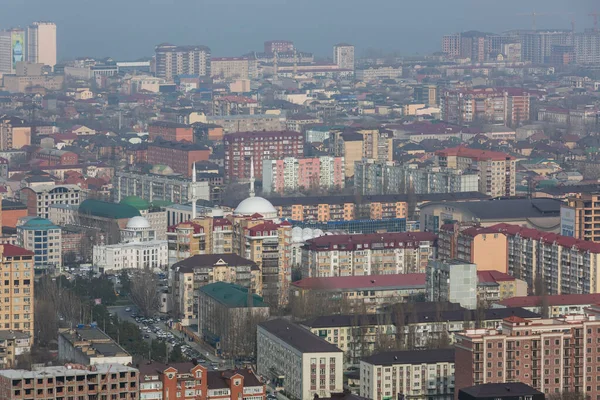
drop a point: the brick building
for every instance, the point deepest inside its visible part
(180, 156)
(186, 381)
(170, 131)
(552, 355)
(241, 147)
(52, 157)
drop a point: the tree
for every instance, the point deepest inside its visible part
(176, 355)
(144, 292)
(125, 283)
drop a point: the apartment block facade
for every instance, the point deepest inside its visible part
(293, 174)
(204, 235)
(584, 221)
(39, 198)
(496, 170)
(416, 374)
(180, 156)
(170, 131)
(172, 61)
(368, 254)
(230, 67)
(243, 147)
(552, 355)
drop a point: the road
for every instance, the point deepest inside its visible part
(206, 351)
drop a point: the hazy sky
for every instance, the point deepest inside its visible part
(129, 29)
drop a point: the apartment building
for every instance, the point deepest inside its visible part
(294, 359)
(227, 318)
(564, 265)
(496, 170)
(42, 237)
(452, 280)
(580, 218)
(242, 148)
(415, 326)
(88, 345)
(172, 61)
(39, 198)
(500, 391)
(415, 374)
(343, 56)
(92, 382)
(15, 133)
(379, 72)
(509, 106)
(204, 235)
(41, 43)
(268, 244)
(170, 131)
(554, 355)
(180, 156)
(278, 46)
(229, 67)
(554, 305)
(249, 123)
(587, 47)
(293, 174)
(373, 177)
(189, 381)
(536, 46)
(368, 254)
(12, 345)
(187, 276)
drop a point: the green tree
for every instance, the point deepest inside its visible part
(125, 283)
(176, 355)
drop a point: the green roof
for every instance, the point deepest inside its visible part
(105, 209)
(136, 202)
(231, 295)
(39, 223)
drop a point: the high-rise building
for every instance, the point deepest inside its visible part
(172, 61)
(12, 49)
(41, 43)
(580, 219)
(587, 47)
(343, 56)
(292, 174)
(451, 45)
(18, 314)
(452, 280)
(426, 94)
(279, 46)
(536, 46)
(554, 355)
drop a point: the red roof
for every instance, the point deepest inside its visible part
(462, 151)
(10, 250)
(359, 282)
(265, 227)
(515, 319)
(197, 228)
(554, 300)
(493, 276)
(383, 240)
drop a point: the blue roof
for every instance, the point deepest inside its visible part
(39, 223)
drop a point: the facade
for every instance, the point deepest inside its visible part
(587, 47)
(242, 148)
(88, 345)
(180, 156)
(563, 265)
(536, 46)
(12, 345)
(379, 72)
(39, 198)
(553, 305)
(343, 56)
(41, 43)
(371, 177)
(249, 123)
(43, 238)
(278, 46)
(15, 133)
(426, 94)
(500, 391)
(454, 281)
(416, 374)
(19, 310)
(368, 254)
(294, 359)
(156, 187)
(52, 157)
(496, 170)
(170, 131)
(172, 61)
(580, 219)
(227, 317)
(133, 255)
(186, 381)
(12, 49)
(186, 277)
(230, 67)
(95, 381)
(203, 235)
(293, 174)
(554, 355)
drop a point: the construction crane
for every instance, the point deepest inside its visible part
(275, 67)
(534, 16)
(595, 14)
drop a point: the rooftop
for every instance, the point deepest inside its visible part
(298, 337)
(231, 295)
(476, 154)
(412, 357)
(66, 370)
(552, 300)
(506, 209)
(365, 282)
(211, 261)
(370, 241)
(92, 342)
(499, 390)
(108, 210)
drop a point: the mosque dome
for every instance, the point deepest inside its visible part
(138, 223)
(254, 205)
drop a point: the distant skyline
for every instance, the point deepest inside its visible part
(129, 29)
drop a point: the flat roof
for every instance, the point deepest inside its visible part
(411, 357)
(499, 390)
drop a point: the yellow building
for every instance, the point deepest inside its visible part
(206, 235)
(584, 221)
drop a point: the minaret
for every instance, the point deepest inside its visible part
(194, 197)
(252, 193)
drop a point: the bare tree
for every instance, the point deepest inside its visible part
(144, 291)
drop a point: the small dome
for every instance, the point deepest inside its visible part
(138, 223)
(160, 169)
(253, 205)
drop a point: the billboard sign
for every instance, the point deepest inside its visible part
(17, 48)
(567, 221)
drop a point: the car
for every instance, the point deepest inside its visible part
(146, 336)
(128, 309)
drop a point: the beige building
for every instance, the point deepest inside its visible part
(41, 43)
(14, 133)
(363, 143)
(12, 345)
(18, 314)
(415, 374)
(204, 235)
(497, 175)
(21, 84)
(295, 360)
(229, 68)
(172, 61)
(343, 56)
(580, 219)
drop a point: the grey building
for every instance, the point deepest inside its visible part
(452, 280)
(386, 178)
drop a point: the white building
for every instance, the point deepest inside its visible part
(63, 214)
(41, 43)
(39, 198)
(452, 280)
(138, 249)
(343, 56)
(416, 374)
(301, 363)
(379, 72)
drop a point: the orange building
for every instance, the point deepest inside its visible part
(11, 211)
(170, 131)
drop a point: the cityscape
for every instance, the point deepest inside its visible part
(282, 224)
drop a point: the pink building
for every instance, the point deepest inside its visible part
(292, 174)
